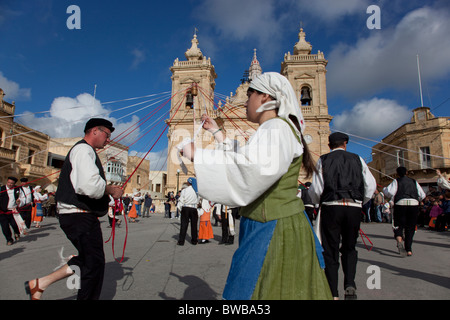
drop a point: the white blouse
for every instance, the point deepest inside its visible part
(237, 178)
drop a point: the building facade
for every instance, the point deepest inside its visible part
(422, 146)
(193, 83)
(23, 151)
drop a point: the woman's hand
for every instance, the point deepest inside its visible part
(209, 123)
(211, 126)
(188, 151)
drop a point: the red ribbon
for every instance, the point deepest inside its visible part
(362, 237)
(113, 233)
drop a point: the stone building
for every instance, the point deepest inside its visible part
(193, 83)
(140, 180)
(422, 146)
(23, 151)
(114, 159)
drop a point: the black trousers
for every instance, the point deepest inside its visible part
(405, 219)
(188, 214)
(25, 213)
(7, 220)
(340, 223)
(83, 230)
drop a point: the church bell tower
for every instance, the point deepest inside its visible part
(193, 83)
(306, 73)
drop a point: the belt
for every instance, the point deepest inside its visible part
(343, 202)
(190, 206)
(72, 210)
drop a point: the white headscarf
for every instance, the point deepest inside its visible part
(279, 87)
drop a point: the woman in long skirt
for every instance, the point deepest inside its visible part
(205, 231)
(279, 256)
(133, 213)
(37, 214)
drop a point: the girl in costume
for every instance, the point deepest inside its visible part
(115, 210)
(205, 231)
(279, 256)
(133, 213)
(37, 214)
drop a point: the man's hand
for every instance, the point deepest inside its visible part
(114, 191)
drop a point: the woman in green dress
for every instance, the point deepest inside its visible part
(278, 255)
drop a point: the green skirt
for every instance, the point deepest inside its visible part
(276, 260)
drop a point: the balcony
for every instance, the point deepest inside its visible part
(7, 107)
(33, 170)
(7, 154)
(114, 177)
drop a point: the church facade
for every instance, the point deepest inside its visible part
(193, 84)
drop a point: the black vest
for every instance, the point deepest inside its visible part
(66, 193)
(4, 198)
(342, 176)
(406, 189)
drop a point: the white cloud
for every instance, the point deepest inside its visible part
(331, 10)
(13, 90)
(68, 116)
(372, 118)
(158, 159)
(139, 57)
(237, 20)
(387, 58)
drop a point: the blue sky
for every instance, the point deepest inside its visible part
(126, 48)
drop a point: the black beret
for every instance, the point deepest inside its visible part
(13, 179)
(337, 137)
(98, 122)
(23, 180)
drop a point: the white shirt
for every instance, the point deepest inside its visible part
(205, 207)
(25, 195)
(237, 178)
(317, 185)
(188, 198)
(12, 201)
(85, 176)
(391, 190)
(40, 197)
(443, 183)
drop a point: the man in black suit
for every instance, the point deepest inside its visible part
(9, 199)
(26, 195)
(342, 184)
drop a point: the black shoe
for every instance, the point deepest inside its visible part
(401, 249)
(180, 243)
(350, 293)
(194, 242)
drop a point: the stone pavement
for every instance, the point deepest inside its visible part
(155, 268)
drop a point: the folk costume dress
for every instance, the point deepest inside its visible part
(37, 212)
(205, 231)
(132, 214)
(279, 256)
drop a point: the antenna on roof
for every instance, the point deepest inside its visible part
(420, 82)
